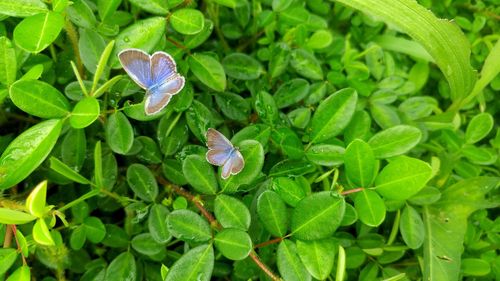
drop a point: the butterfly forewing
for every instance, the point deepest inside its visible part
(218, 157)
(217, 141)
(137, 65)
(162, 67)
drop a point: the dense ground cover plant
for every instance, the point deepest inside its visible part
(368, 129)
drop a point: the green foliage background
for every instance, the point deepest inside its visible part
(368, 127)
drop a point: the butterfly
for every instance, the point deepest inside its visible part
(157, 74)
(221, 152)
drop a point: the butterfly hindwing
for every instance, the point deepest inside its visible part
(221, 152)
(138, 66)
(233, 165)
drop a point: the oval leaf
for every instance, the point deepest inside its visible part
(37, 32)
(199, 174)
(333, 115)
(26, 152)
(412, 227)
(187, 21)
(403, 178)
(234, 244)
(360, 163)
(39, 98)
(289, 264)
(395, 141)
(272, 213)
(195, 265)
(231, 212)
(142, 181)
(84, 113)
(241, 66)
(370, 207)
(208, 70)
(157, 223)
(317, 256)
(188, 226)
(317, 216)
(119, 133)
(122, 268)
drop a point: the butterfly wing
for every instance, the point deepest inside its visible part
(162, 67)
(218, 157)
(137, 65)
(217, 141)
(159, 95)
(233, 165)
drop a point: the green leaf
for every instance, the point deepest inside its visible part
(199, 119)
(231, 212)
(317, 216)
(81, 14)
(8, 62)
(142, 181)
(146, 245)
(200, 174)
(320, 39)
(37, 32)
(241, 66)
(187, 21)
(475, 267)
(326, 154)
(478, 128)
(449, 215)
(266, 108)
(7, 258)
(412, 227)
(143, 34)
(333, 115)
(84, 113)
(94, 229)
(272, 213)
(360, 165)
(233, 106)
(156, 7)
(441, 38)
(234, 244)
(317, 256)
(22, 273)
(395, 141)
(253, 153)
(107, 8)
(102, 65)
(306, 64)
(74, 149)
(90, 45)
(280, 56)
(22, 8)
(66, 171)
(228, 3)
(291, 92)
(77, 238)
(172, 170)
(188, 226)
(119, 133)
(8, 216)
(290, 168)
(403, 178)
(35, 203)
(195, 40)
(41, 233)
(39, 98)
(122, 268)
(195, 265)
(288, 142)
(208, 70)
(289, 263)
(157, 223)
(289, 190)
(370, 207)
(27, 151)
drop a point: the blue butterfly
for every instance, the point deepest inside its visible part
(221, 152)
(157, 74)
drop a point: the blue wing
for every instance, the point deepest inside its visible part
(159, 96)
(233, 165)
(137, 65)
(162, 67)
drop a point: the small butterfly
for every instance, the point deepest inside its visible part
(221, 152)
(157, 74)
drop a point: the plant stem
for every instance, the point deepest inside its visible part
(213, 222)
(84, 197)
(73, 38)
(272, 241)
(7, 240)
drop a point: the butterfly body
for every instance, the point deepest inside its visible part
(221, 152)
(157, 74)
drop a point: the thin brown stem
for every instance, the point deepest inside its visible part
(14, 231)
(350, 191)
(7, 240)
(199, 205)
(272, 241)
(262, 266)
